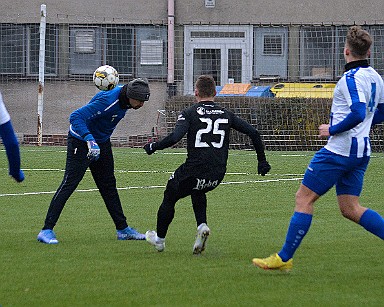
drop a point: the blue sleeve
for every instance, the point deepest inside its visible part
(354, 118)
(12, 149)
(379, 114)
(79, 117)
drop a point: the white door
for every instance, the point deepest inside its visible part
(225, 52)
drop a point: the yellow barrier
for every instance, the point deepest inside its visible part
(303, 90)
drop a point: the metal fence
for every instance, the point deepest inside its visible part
(305, 59)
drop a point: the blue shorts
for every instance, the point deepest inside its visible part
(328, 169)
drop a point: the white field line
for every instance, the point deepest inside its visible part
(153, 172)
(261, 181)
(248, 152)
(141, 171)
(153, 187)
(231, 153)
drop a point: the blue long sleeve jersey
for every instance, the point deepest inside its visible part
(99, 117)
(11, 145)
(7, 134)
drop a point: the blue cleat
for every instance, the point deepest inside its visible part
(47, 236)
(129, 234)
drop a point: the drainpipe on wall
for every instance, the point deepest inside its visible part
(171, 86)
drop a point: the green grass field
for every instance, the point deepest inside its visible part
(338, 263)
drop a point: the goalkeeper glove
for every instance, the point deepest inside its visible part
(150, 148)
(263, 167)
(93, 148)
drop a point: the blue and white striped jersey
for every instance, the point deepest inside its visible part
(361, 88)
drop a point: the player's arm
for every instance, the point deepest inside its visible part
(181, 128)
(78, 120)
(244, 127)
(379, 114)
(12, 150)
(355, 117)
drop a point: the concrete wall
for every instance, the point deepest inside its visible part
(225, 11)
(85, 10)
(61, 98)
(277, 11)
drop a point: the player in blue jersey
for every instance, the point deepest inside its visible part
(342, 162)
(89, 145)
(10, 142)
(208, 127)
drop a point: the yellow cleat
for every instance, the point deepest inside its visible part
(273, 262)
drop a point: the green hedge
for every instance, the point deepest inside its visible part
(285, 123)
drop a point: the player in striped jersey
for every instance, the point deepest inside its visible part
(342, 162)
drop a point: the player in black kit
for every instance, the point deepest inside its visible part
(208, 127)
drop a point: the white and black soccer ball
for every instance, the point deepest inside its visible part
(105, 78)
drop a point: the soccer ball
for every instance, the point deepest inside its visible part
(105, 78)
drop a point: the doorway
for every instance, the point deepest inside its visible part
(224, 52)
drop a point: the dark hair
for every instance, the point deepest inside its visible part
(358, 41)
(206, 86)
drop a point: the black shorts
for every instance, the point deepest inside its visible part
(185, 181)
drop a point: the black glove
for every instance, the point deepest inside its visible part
(263, 167)
(150, 148)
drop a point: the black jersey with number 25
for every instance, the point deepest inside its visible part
(208, 127)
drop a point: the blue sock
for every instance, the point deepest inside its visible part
(298, 228)
(373, 222)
